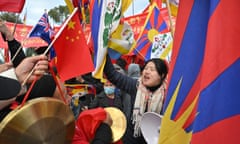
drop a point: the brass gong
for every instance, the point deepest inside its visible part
(119, 124)
(40, 121)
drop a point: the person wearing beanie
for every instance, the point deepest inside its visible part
(93, 126)
(134, 70)
(147, 93)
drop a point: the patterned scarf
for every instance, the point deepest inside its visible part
(146, 101)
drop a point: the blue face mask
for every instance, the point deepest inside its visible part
(109, 90)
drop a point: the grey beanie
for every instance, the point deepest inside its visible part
(134, 70)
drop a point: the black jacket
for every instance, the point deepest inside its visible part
(101, 100)
(13, 46)
(128, 85)
(103, 135)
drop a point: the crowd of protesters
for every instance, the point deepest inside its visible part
(134, 90)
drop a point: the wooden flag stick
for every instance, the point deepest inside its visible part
(170, 17)
(52, 42)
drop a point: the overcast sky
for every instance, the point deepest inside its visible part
(35, 8)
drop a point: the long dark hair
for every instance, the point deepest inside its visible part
(161, 66)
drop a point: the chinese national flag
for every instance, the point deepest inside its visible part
(73, 55)
(12, 5)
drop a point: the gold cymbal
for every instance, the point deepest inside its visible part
(39, 121)
(119, 124)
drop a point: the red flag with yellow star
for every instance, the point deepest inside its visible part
(73, 55)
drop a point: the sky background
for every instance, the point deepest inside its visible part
(35, 8)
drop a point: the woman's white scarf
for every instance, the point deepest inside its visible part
(145, 97)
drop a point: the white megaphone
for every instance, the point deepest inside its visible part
(150, 127)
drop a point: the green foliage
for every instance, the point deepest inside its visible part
(10, 17)
(59, 14)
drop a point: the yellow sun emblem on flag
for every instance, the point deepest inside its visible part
(172, 131)
(151, 33)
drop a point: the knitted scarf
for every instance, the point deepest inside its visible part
(146, 101)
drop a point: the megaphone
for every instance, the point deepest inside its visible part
(150, 127)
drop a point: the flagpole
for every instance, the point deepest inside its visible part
(17, 52)
(89, 38)
(140, 54)
(60, 31)
(51, 44)
(15, 25)
(133, 7)
(170, 17)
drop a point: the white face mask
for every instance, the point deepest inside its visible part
(109, 90)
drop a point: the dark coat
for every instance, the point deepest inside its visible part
(13, 46)
(101, 100)
(121, 81)
(128, 85)
(9, 88)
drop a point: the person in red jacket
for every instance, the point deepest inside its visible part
(93, 126)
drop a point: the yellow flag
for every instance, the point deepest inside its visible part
(125, 5)
(173, 6)
(69, 5)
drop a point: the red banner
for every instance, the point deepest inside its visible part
(137, 21)
(12, 5)
(21, 33)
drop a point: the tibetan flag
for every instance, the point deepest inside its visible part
(154, 25)
(15, 6)
(79, 89)
(158, 3)
(202, 103)
(121, 41)
(104, 17)
(73, 55)
(162, 46)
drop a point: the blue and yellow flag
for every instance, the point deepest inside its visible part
(121, 41)
(104, 17)
(202, 103)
